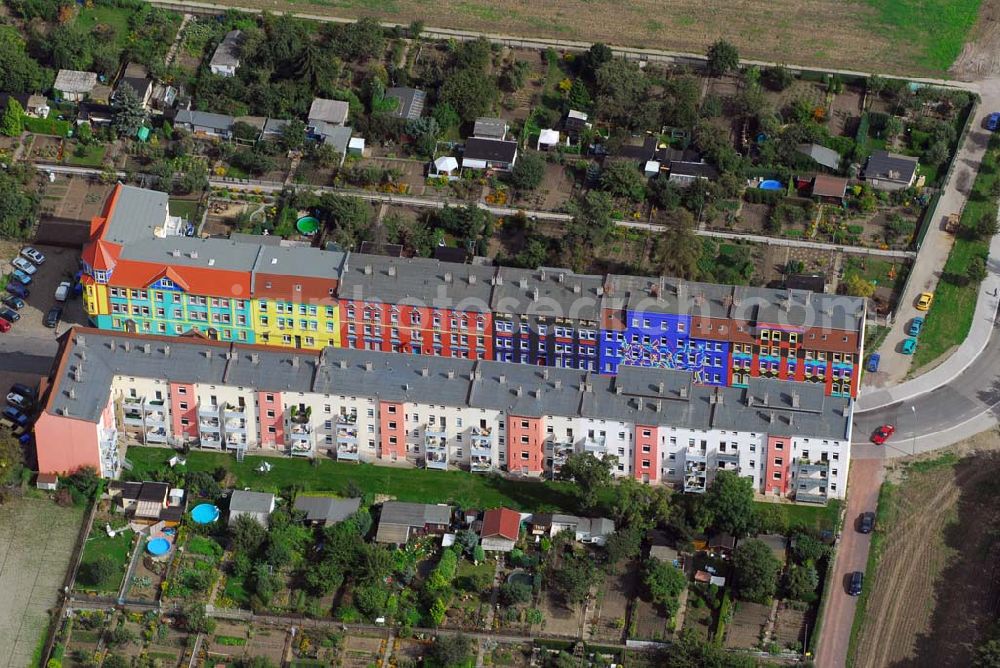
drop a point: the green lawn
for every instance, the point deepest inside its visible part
(93, 155)
(821, 518)
(115, 17)
(98, 544)
(406, 484)
(948, 322)
(185, 208)
(939, 26)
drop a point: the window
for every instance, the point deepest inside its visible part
(270, 414)
(183, 405)
(777, 475)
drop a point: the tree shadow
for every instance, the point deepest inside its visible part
(967, 591)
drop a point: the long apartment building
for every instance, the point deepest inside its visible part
(143, 276)
(111, 389)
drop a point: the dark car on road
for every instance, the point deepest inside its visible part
(866, 523)
(10, 315)
(53, 316)
(855, 583)
(13, 302)
(23, 390)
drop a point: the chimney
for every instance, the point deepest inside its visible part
(392, 270)
(472, 279)
(81, 340)
(658, 406)
(145, 348)
(618, 389)
(255, 358)
(368, 270)
(503, 379)
(369, 366)
(541, 275)
(557, 384)
(518, 391)
(166, 350)
(576, 288)
(447, 277)
(476, 374)
(562, 277)
(78, 374)
(451, 374)
(795, 400)
(545, 374)
(83, 354)
(176, 252)
(600, 290)
(534, 295)
(659, 387)
(425, 372)
(770, 417)
(342, 364)
(128, 346)
(72, 393)
(791, 419)
(295, 361)
(406, 387)
(524, 283)
(194, 255)
(684, 393)
(765, 399)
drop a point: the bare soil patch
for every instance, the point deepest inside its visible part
(935, 590)
(980, 58)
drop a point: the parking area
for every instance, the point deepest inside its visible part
(60, 264)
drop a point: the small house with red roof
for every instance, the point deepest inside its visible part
(501, 527)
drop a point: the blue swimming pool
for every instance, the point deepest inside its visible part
(770, 184)
(158, 547)
(205, 513)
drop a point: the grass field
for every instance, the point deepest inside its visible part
(98, 545)
(93, 156)
(929, 595)
(950, 316)
(899, 36)
(185, 208)
(36, 542)
(406, 484)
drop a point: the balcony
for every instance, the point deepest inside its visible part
(347, 452)
(728, 458)
(156, 417)
(811, 496)
(435, 442)
(231, 411)
(209, 425)
(481, 450)
(437, 459)
(236, 426)
(347, 419)
(348, 435)
(597, 445)
(133, 417)
(299, 416)
(560, 452)
(236, 441)
(695, 455)
(208, 411)
(695, 476)
(156, 435)
(481, 464)
(210, 440)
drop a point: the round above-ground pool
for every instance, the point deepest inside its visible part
(770, 184)
(158, 547)
(307, 225)
(521, 576)
(205, 513)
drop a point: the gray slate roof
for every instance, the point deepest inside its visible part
(766, 406)
(204, 119)
(490, 128)
(227, 54)
(328, 111)
(75, 81)
(548, 292)
(410, 102)
(418, 282)
(890, 166)
(820, 154)
(136, 215)
(326, 509)
(243, 501)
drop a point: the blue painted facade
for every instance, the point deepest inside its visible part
(165, 309)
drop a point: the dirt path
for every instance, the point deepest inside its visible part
(980, 57)
(936, 585)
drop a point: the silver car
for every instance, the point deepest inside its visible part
(33, 254)
(24, 265)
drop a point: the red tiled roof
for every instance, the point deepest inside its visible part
(502, 522)
(196, 280)
(101, 255)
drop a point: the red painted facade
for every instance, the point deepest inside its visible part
(646, 460)
(272, 419)
(525, 444)
(778, 464)
(184, 410)
(407, 329)
(392, 431)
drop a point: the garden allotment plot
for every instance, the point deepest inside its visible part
(36, 542)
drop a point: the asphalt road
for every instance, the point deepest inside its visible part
(27, 354)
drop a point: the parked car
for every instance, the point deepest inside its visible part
(19, 275)
(18, 289)
(15, 416)
(924, 301)
(9, 315)
(883, 433)
(866, 523)
(915, 326)
(24, 265)
(856, 583)
(993, 121)
(63, 290)
(4, 326)
(53, 316)
(19, 401)
(23, 390)
(909, 346)
(873, 361)
(13, 302)
(33, 254)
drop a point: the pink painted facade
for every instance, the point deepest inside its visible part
(66, 444)
(183, 411)
(646, 464)
(271, 415)
(525, 444)
(778, 463)
(392, 431)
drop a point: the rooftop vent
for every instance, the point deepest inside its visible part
(211, 262)
(368, 270)
(274, 260)
(425, 372)
(451, 374)
(176, 252)
(194, 255)
(447, 277)
(369, 366)
(392, 270)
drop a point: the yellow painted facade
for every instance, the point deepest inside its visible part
(295, 325)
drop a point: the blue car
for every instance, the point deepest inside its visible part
(18, 290)
(873, 361)
(909, 346)
(19, 275)
(993, 121)
(916, 325)
(15, 416)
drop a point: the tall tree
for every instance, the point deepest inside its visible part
(128, 114)
(12, 124)
(591, 474)
(678, 249)
(19, 72)
(574, 577)
(621, 90)
(451, 651)
(722, 58)
(528, 171)
(730, 499)
(756, 570)
(623, 179)
(664, 584)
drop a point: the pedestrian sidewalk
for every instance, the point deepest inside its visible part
(979, 335)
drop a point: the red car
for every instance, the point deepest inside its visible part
(4, 326)
(882, 434)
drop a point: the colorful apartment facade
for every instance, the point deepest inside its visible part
(111, 389)
(143, 276)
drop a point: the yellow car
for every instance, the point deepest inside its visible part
(924, 301)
